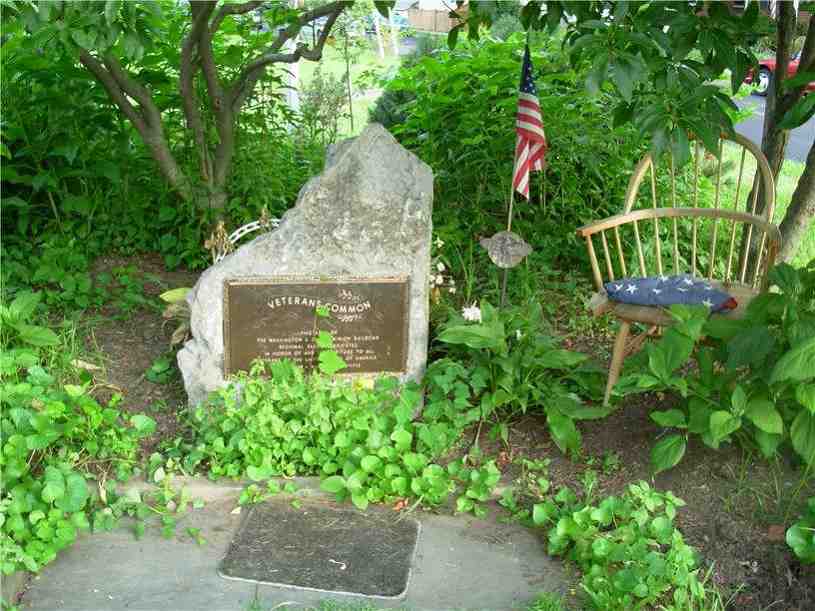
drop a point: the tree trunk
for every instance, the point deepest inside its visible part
(774, 140)
(801, 210)
(394, 34)
(378, 30)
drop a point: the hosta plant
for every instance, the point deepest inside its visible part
(755, 378)
(515, 367)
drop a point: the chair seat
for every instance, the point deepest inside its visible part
(653, 315)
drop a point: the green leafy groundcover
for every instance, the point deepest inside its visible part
(628, 548)
(363, 439)
(54, 437)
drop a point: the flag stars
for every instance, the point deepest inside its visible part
(631, 289)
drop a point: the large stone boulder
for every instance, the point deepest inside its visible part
(367, 215)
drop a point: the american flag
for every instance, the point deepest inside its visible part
(530, 146)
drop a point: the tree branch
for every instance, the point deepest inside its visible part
(232, 9)
(114, 90)
(146, 119)
(250, 74)
(186, 88)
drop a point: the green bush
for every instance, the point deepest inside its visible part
(630, 552)
(459, 117)
(755, 381)
(54, 437)
(277, 420)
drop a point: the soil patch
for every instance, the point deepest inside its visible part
(128, 343)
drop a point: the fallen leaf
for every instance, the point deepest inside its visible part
(776, 532)
(80, 364)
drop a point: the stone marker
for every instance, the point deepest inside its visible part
(359, 233)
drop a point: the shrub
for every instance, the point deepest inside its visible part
(461, 122)
(54, 436)
(755, 381)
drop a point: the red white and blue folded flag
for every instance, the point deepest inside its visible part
(530, 146)
(665, 291)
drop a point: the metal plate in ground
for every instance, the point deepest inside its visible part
(324, 548)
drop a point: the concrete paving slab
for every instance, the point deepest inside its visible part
(460, 563)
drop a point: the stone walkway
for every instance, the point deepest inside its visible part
(460, 563)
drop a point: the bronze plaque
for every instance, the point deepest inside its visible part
(275, 318)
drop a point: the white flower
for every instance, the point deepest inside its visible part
(432, 279)
(708, 303)
(472, 313)
(440, 266)
(439, 243)
(439, 279)
(518, 334)
(452, 289)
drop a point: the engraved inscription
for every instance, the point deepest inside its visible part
(276, 318)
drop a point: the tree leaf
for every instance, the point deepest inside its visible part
(667, 452)
(799, 114)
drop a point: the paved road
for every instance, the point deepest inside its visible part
(801, 139)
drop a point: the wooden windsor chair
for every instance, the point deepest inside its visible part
(750, 245)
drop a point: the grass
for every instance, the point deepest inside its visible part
(785, 184)
(365, 60)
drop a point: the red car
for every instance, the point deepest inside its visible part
(766, 70)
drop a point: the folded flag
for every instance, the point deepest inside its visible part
(665, 291)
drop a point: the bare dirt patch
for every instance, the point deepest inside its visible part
(127, 345)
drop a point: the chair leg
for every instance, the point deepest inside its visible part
(617, 358)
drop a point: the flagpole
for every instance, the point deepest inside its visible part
(509, 228)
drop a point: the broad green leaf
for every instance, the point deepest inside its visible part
(144, 425)
(331, 362)
(667, 452)
(23, 305)
(35, 335)
(475, 336)
(796, 364)
(801, 538)
(402, 439)
(76, 494)
(560, 359)
(564, 433)
(722, 424)
(767, 443)
(749, 347)
(175, 295)
(762, 412)
(671, 417)
(805, 394)
(360, 499)
(370, 463)
(802, 435)
(256, 474)
(334, 484)
(356, 480)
